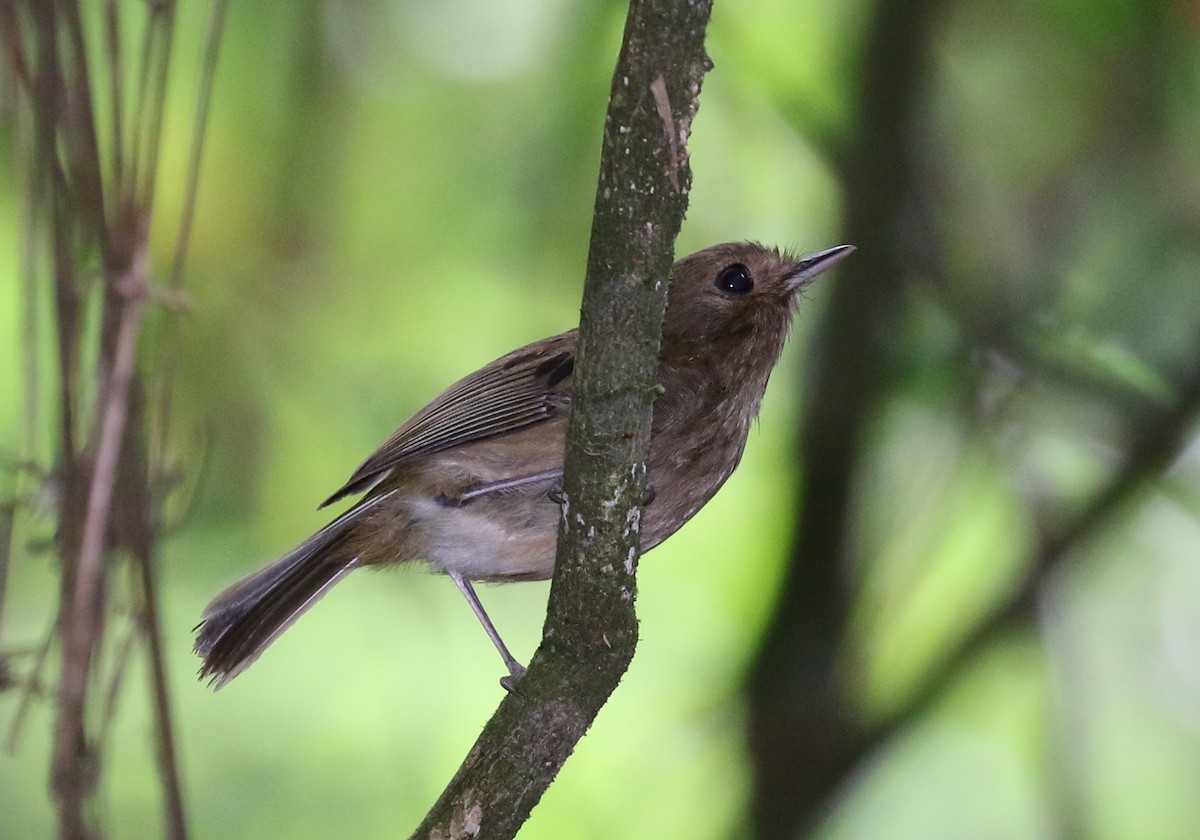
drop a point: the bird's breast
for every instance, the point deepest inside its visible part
(693, 452)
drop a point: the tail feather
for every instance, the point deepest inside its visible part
(247, 617)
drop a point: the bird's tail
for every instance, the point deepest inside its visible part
(242, 621)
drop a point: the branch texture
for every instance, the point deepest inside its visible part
(591, 629)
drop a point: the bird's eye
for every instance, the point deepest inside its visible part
(736, 279)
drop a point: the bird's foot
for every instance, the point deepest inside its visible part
(515, 672)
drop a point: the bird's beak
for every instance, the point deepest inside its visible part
(809, 267)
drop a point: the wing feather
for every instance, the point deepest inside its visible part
(526, 387)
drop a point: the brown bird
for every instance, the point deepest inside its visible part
(470, 484)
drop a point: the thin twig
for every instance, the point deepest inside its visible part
(32, 687)
(137, 121)
(10, 37)
(162, 27)
(78, 133)
(50, 180)
(212, 47)
(1156, 445)
(30, 355)
(108, 451)
(116, 680)
(8, 512)
(116, 80)
(170, 351)
(168, 763)
(82, 619)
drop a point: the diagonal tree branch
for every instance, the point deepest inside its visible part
(809, 741)
(1153, 446)
(591, 629)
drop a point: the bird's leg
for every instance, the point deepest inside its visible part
(510, 483)
(515, 669)
(498, 486)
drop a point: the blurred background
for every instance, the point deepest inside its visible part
(954, 589)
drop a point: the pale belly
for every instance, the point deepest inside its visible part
(512, 537)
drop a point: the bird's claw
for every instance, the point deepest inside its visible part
(516, 671)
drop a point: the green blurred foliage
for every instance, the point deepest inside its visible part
(396, 193)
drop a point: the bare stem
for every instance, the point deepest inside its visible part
(168, 765)
(73, 775)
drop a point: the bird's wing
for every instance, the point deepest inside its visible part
(526, 387)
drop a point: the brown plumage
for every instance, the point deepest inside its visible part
(470, 483)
